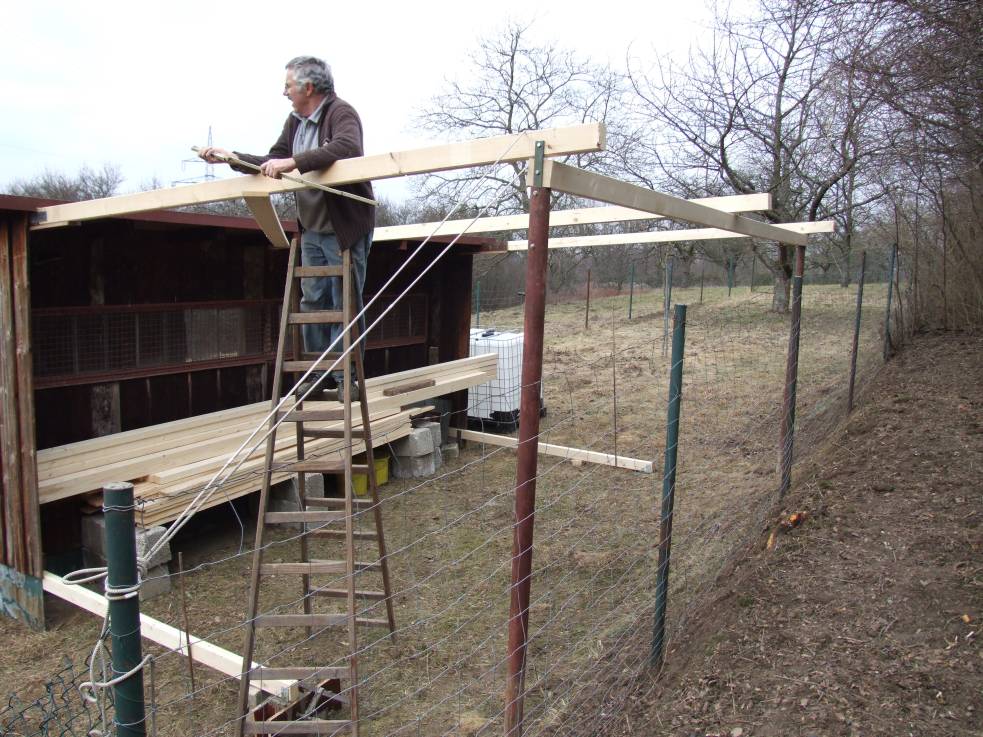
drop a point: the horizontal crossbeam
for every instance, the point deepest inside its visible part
(558, 218)
(668, 236)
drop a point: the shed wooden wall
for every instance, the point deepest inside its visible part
(21, 565)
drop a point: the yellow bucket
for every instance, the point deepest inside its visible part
(361, 482)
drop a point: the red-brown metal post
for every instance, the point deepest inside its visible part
(526, 465)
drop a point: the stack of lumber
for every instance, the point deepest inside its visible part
(171, 462)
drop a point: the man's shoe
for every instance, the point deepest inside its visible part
(316, 384)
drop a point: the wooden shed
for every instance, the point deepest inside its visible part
(128, 322)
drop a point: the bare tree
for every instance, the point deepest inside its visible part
(87, 184)
(766, 106)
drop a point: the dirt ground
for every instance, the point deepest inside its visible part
(596, 530)
(865, 619)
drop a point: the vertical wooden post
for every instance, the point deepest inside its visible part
(792, 373)
(21, 594)
(526, 464)
(890, 292)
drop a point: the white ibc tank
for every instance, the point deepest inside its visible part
(497, 400)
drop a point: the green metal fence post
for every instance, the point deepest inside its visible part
(792, 373)
(668, 485)
(754, 261)
(856, 330)
(587, 307)
(890, 293)
(730, 275)
(124, 608)
(631, 289)
(703, 268)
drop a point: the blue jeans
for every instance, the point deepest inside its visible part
(325, 293)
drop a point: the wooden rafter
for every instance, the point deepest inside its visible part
(577, 216)
(479, 152)
(668, 236)
(569, 179)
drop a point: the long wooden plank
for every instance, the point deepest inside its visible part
(463, 154)
(208, 654)
(269, 222)
(668, 236)
(564, 178)
(562, 451)
(559, 218)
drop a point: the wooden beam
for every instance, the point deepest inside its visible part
(668, 236)
(558, 218)
(582, 183)
(30, 506)
(562, 451)
(261, 207)
(10, 473)
(478, 152)
(217, 658)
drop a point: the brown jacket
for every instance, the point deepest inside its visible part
(340, 134)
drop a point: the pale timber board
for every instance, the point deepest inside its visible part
(558, 218)
(561, 451)
(269, 222)
(593, 186)
(460, 155)
(668, 236)
(204, 652)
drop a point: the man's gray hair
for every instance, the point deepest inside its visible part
(311, 69)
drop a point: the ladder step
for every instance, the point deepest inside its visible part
(321, 727)
(356, 434)
(299, 673)
(308, 271)
(321, 465)
(299, 367)
(335, 502)
(314, 567)
(316, 317)
(340, 534)
(343, 594)
(314, 620)
(279, 518)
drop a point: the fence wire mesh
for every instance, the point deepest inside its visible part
(605, 390)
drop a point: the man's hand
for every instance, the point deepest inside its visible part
(275, 167)
(214, 155)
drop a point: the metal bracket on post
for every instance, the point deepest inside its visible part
(538, 159)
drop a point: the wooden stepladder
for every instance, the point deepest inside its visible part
(321, 518)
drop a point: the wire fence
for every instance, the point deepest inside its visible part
(597, 525)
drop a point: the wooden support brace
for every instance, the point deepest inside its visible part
(562, 451)
(571, 180)
(261, 207)
(206, 653)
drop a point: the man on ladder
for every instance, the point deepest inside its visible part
(321, 129)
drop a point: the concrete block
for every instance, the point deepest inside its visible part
(435, 432)
(405, 467)
(450, 450)
(156, 583)
(94, 539)
(418, 443)
(289, 491)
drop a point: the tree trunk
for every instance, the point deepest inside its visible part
(783, 280)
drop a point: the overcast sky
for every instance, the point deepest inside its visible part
(136, 84)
